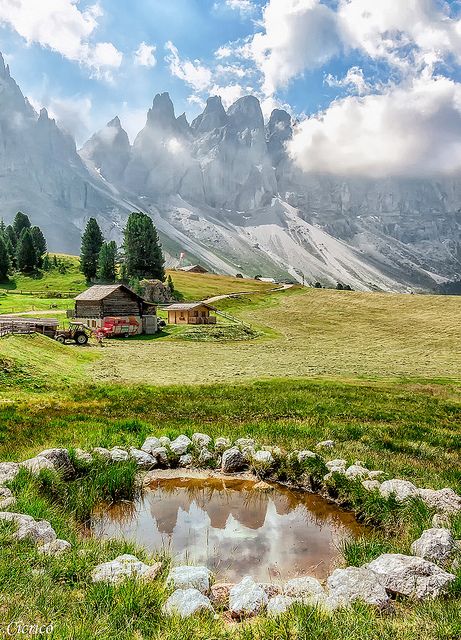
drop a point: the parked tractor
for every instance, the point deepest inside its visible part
(77, 332)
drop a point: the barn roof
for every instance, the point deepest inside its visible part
(188, 306)
(100, 291)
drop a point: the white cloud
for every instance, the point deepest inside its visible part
(244, 6)
(193, 73)
(298, 34)
(229, 93)
(61, 26)
(354, 80)
(145, 55)
(226, 51)
(409, 130)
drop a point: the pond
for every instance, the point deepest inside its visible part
(232, 527)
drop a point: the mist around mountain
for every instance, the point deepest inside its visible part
(224, 190)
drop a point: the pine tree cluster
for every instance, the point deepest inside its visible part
(140, 256)
(22, 246)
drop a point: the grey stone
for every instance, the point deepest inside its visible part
(161, 455)
(326, 444)
(401, 489)
(115, 571)
(278, 605)
(102, 452)
(205, 457)
(55, 548)
(371, 485)
(247, 598)
(302, 456)
(185, 460)
(117, 454)
(164, 441)
(143, 460)
(346, 586)
(356, 471)
(435, 545)
(8, 471)
(186, 602)
(336, 466)
(245, 443)
(411, 576)
(263, 458)
(6, 498)
(83, 456)
(180, 446)
(232, 460)
(40, 531)
(150, 444)
(37, 464)
(187, 577)
(201, 440)
(444, 500)
(60, 460)
(305, 589)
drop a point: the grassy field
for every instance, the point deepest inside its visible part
(306, 332)
(194, 286)
(379, 374)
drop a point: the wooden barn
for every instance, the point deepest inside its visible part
(96, 304)
(194, 268)
(191, 313)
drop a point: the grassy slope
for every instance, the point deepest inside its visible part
(35, 361)
(195, 286)
(309, 333)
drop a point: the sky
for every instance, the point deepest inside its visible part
(374, 84)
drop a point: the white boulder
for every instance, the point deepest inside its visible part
(205, 457)
(371, 485)
(143, 460)
(336, 466)
(36, 465)
(356, 471)
(54, 548)
(411, 576)
(180, 446)
(186, 602)
(60, 460)
(326, 444)
(278, 605)
(83, 456)
(39, 531)
(150, 444)
(264, 458)
(346, 586)
(8, 471)
(247, 598)
(102, 452)
(435, 545)
(305, 589)
(400, 489)
(161, 455)
(117, 454)
(115, 571)
(302, 456)
(186, 577)
(444, 500)
(201, 440)
(6, 498)
(185, 460)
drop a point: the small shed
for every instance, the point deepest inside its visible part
(194, 268)
(99, 302)
(191, 313)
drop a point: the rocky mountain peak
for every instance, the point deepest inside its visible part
(161, 114)
(4, 68)
(213, 117)
(108, 150)
(115, 122)
(246, 113)
(280, 119)
(183, 124)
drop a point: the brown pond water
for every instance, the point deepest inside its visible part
(233, 528)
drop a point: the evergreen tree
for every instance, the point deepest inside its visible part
(92, 241)
(170, 285)
(2, 227)
(143, 251)
(46, 266)
(4, 260)
(39, 243)
(107, 262)
(10, 235)
(20, 222)
(26, 257)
